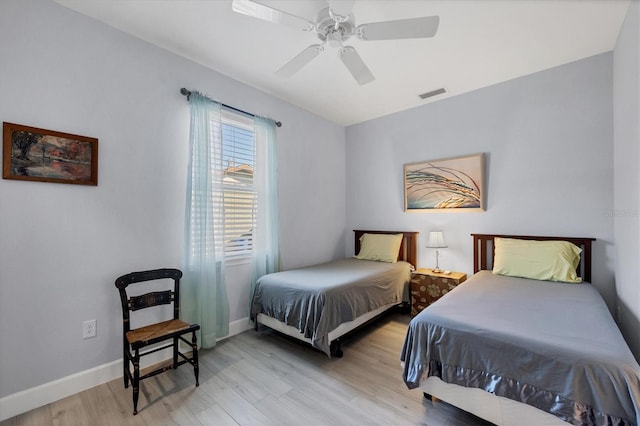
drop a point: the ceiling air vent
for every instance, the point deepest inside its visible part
(433, 93)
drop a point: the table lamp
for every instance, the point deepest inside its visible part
(436, 240)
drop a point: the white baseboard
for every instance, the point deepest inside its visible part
(21, 402)
(237, 327)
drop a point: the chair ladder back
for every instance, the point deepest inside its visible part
(149, 300)
(173, 331)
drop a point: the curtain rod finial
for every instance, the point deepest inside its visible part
(185, 92)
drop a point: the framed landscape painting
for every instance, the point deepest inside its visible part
(447, 184)
(43, 155)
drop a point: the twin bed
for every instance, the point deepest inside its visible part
(322, 303)
(537, 347)
(519, 351)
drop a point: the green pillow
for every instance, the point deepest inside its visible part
(380, 247)
(540, 260)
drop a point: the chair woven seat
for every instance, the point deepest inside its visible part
(156, 331)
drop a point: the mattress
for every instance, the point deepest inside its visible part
(317, 299)
(551, 345)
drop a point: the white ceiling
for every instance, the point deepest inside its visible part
(479, 43)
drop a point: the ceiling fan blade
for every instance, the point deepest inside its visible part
(300, 60)
(355, 65)
(341, 7)
(404, 28)
(266, 13)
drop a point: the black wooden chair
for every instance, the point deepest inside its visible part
(171, 330)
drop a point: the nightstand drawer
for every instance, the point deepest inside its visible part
(428, 286)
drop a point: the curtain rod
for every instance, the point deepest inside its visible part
(187, 93)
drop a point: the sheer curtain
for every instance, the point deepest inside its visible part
(203, 290)
(266, 241)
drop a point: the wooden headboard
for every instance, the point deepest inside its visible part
(483, 251)
(408, 248)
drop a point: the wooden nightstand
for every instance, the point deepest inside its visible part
(428, 286)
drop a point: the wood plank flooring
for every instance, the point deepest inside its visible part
(262, 378)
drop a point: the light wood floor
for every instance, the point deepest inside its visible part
(262, 378)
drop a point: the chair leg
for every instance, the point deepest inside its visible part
(125, 366)
(194, 355)
(136, 381)
(175, 352)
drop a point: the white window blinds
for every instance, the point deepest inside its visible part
(239, 194)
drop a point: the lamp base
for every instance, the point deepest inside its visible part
(437, 270)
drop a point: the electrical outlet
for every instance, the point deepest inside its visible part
(89, 329)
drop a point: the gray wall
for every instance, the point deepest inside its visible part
(627, 176)
(548, 143)
(62, 246)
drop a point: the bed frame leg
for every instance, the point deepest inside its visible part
(335, 350)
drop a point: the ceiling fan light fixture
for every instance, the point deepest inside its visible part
(334, 38)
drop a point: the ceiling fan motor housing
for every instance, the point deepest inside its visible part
(334, 29)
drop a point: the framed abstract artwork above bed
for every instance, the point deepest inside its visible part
(455, 183)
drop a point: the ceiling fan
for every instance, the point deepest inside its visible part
(334, 25)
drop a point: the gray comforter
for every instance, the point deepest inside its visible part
(317, 299)
(550, 345)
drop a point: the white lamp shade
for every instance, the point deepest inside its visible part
(436, 240)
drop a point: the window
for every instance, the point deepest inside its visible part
(239, 193)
